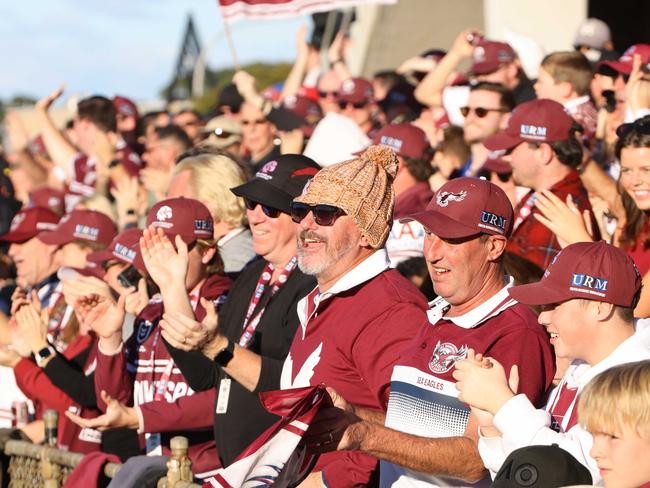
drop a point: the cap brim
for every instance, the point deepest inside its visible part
(100, 256)
(55, 238)
(538, 294)
(264, 193)
(18, 236)
(625, 68)
(502, 142)
(441, 225)
(286, 120)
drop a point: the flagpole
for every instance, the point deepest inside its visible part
(231, 44)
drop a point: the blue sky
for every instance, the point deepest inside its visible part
(120, 46)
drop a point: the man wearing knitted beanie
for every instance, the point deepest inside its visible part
(361, 315)
(428, 437)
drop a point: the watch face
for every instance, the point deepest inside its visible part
(44, 353)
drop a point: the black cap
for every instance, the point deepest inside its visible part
(541, 466)
(279, 181)
(230, 97)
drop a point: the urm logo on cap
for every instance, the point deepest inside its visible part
(392, 142)
(532, 131)
(592, 285)
(492, 221)
(86, 232)
(203, 226)
(124, 252)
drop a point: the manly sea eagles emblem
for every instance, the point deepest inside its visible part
(445, 356)
(444, 197)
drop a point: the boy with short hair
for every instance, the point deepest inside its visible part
(588, 294)
(566, 78)
(614, 409)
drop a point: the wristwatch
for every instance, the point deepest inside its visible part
(44, 354)
(225, 355)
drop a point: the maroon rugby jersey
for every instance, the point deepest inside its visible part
(424, 400)
(134, 376)
(351, 343)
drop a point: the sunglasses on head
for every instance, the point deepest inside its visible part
(343, 105)
(324, 215)
(221, 133)
(271, 212)
(642, 126)
(479, 111)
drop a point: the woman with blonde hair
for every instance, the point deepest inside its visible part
(209, 178)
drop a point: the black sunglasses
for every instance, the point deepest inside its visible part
(344, 105)
(642, 126)
(479, 111)
(325, 94)
(324, 215)
(274, 213)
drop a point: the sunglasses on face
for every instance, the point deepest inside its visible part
(479, 111)
(253, 122)
(325, 94)
(271, 212)
(324, 215)
(344, 105)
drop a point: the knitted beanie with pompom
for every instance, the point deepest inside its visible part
(362, 188)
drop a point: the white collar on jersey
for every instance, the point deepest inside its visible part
(362, 272)
(488, 309)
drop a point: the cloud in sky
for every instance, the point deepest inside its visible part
(120, 46)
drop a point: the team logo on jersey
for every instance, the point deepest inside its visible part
(445, 356)
(444, 197)
(144, 330)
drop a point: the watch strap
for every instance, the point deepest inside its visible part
(225, 355)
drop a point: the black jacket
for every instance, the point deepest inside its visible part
(246, 418)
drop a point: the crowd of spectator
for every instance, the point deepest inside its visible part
(458, 256)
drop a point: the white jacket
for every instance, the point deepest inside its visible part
(521, 424)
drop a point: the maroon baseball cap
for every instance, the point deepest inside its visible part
(125, 106)
(489, 56)
(48, 197)
(82, 225)
(406, 140)
(186, 217)
(124, 247)
(624, 63)
(533, 121)
(464, 207)
(29, 222)
(588, 270)
(356, 90)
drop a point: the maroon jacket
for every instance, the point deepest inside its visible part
(35, 384)
(134, 375)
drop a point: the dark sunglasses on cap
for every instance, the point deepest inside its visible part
(271, 212)
(324, 215)
(642, 126)
(479, 111)
(343, 105)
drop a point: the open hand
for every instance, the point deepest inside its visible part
(166, 265)
(186, 333)
(117, 415)
(46, 102)
(564, 219)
